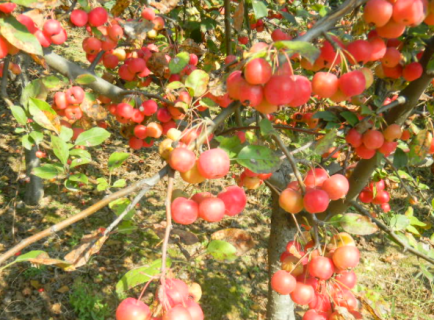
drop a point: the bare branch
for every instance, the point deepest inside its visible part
(228, 27)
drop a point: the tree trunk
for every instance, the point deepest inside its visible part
(282, 230)
(34, 188)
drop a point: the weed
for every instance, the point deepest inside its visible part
(86, 304)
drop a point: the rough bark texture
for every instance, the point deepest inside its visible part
(35, 188)
(279, 307)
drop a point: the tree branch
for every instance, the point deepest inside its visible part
(390, 232)
(96, 61)
(279, 126)
(4, 82)
(330, 20)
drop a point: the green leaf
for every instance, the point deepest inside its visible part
(175, 85)
(39, 110)
(85, 79)
(426, 273)
(260, 9)
(179, 62)
(326, 115)
(416, 222)
(66, 133)
(139, 276)
(413, 230)
(289, 17)
(419, 146)
(120, 183)
(305, 49)
(208, 102)
(19, 115)
(35, 89)
(325, 143)
(119, 206)
(198, 81)
(19, 36)
(80, 153)
(60, 149)
(27, 142)
(48, 171)
(75, 181)
(127, 227)
(399, 222)
(259, 159)
(222, 250)
(116, 159)
(102, 184)
(231, 145)
(266, 127)
(92, 137)
(357, 224)
(350, 117)
(37, 136)
(38, 4)
(78, 162)
(400, 158)
(52, 82)
(25, 257)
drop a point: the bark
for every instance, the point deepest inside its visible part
(279, 307)
(35, 187)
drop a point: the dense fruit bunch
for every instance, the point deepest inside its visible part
(320, 189)
(179, 301)
(375, 193)
(369, 142)
(322, 282)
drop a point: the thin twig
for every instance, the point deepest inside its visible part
(291, 160)
(390, 163)
(96, 61)
(148, 95)
(399, 101)
(168, 227)
(392, 234)
(4, 81)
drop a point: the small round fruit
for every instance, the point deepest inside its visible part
(325, 84)
(291, 201)
(212, 209)
(214, 163)
(316, 201)
(184, 211)
(303, 294)
(235, 200)
(321, 268)
(346, 257)
(354, 138)
(257, 71)
(283, 282)
(131, 308)
(352, 83)
(315, 177)
(346, 279)
(373, 139)
(193, 175)
(392, 132)
(336, 186)
(97, 17)
(182, 159)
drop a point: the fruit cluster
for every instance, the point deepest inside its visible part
(323, 282)
(179, 301)
(211, 164)
(369, 142)
(320, 189)
(375, 193)
(67, 103)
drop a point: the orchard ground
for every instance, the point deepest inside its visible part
(234, 290)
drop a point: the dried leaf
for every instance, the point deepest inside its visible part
(39, 60)
(90, 244)
(157, 63)
(239, 16)
(165, 6)
(94, 110)
(186, 237)
(120, 7)
(191, 46)
(45, 259)
(240, 239)
(137, 30)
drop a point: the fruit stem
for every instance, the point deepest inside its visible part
(171, 176)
